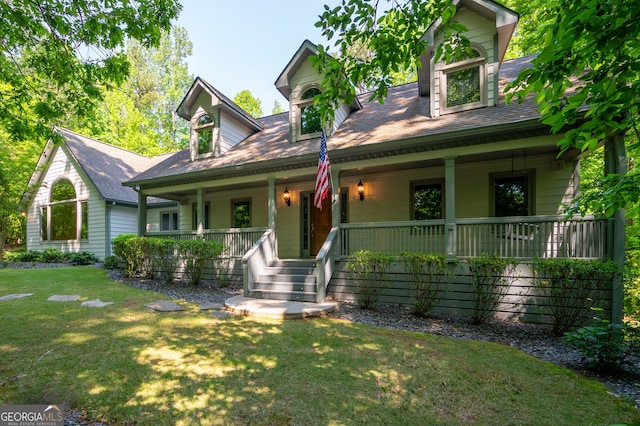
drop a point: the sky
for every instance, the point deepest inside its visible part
(246, 44)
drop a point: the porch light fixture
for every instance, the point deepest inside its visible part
(361, 190)
(286, 196)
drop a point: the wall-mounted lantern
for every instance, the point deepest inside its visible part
(286, 196)
(361, 190)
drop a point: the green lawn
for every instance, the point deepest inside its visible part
(127, 364)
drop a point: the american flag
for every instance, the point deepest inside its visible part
(322, 179)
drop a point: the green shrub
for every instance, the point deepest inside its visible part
(197, 255)
(570, 288)
(632, 285)
(164, 257)
(23, 256)
(81, 258)
(430, 275)
(125, 247)
(370, 274)
(491, 277)
(604, 345)
(112, 262)
(51, 255)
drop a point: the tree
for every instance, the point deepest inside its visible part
(139, 115)
(56, 55)
(57, 59)
(245, 100)
(277, 108)
(585, 79)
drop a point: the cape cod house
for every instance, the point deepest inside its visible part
(75, 200)
(443, 166)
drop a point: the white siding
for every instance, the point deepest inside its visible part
(232, 132)
(123, 220)
(62, 167)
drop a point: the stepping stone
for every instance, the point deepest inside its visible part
(211, 306)
(222, 314)
(164, 306)
(63, 298)
(96, 303)
(16, 296)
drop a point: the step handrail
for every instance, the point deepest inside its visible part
(257, 259)
(325, 263)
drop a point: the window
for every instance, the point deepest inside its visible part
(462, 82)
(169, 221)
(65, 217)
(426, 200)
(204, 133)
(241, 213)
(194, 216)
(512, 195)
(309, 112)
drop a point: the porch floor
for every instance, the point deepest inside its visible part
(277, 309)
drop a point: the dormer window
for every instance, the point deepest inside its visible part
(204, 132)
(309, 113)
(462, 82)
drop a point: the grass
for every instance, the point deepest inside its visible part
(126, 364)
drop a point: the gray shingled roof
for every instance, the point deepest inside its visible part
(108, 166)
(404, 115)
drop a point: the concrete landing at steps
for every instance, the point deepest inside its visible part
(277, 309)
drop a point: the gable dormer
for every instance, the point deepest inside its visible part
(471, 80)
(216, 123)
(299, 83)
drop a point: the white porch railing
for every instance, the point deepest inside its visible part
(325, 263)
(236, 240)
(257, 258)
(393, 237)
(519, 237)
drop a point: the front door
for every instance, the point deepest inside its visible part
(320, 224)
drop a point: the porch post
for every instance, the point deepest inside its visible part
(616, 162)
(335, 196)
(450, 204)
(142, 213)
(271, 203)
(200, 212)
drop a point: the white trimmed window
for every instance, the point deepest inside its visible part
(65, 217)
(463, 82)
(308, 120)
(169, 221)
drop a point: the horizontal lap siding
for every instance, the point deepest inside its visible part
(520, 303)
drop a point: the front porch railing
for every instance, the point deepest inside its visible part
(518, 237)
(237, 241)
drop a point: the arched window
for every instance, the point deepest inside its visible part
(65, 217)
(309, 112)
(462, 81)
(204, 132)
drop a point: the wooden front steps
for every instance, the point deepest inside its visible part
(292, 280)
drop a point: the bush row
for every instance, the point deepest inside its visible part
(569, 287)
(51, 255)
(161, 257)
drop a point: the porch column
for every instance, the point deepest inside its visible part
(200, 212)
(335, 196)
(450, 206)
(616, 162)
(142, 213)
(271, 204)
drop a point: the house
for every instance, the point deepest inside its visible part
(76, 201)
(442, 166)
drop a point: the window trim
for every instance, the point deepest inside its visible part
(446, 69)
(196, 129)
(174, 219)
(529, 174)
(412, 189)
(207, 216)
(299, 104)
(82, 213)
